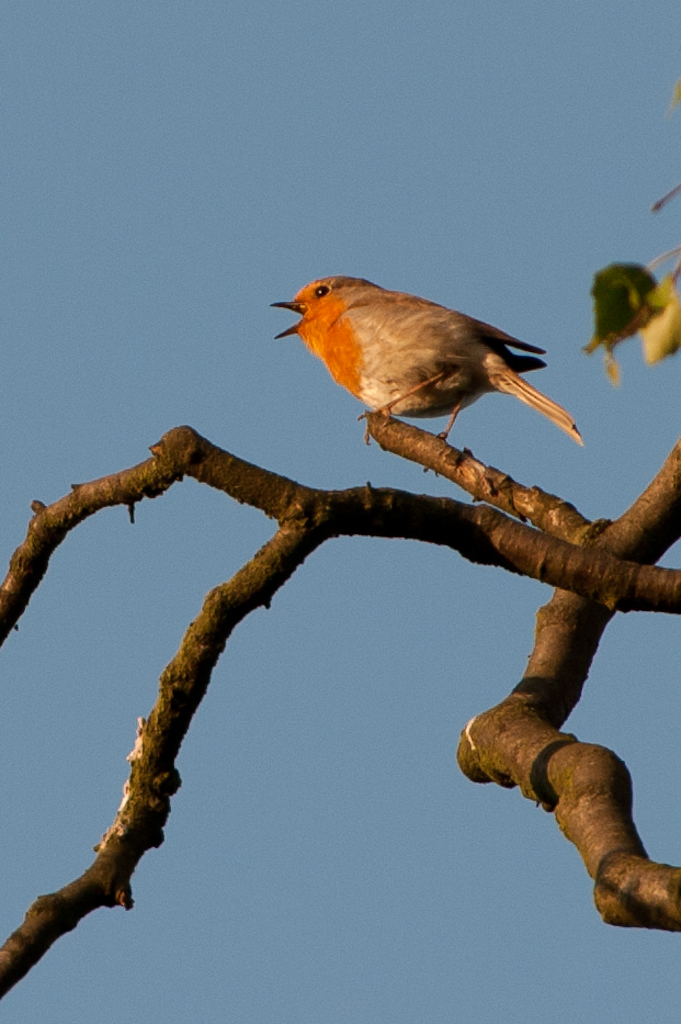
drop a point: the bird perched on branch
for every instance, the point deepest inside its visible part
(404, 355)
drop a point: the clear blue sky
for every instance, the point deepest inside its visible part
(167, 171)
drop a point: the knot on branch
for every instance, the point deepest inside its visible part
(179, 449)
(166, 784)
(590, 534)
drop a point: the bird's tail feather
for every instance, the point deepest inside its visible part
(511, 384)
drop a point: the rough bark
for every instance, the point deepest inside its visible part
(598, 568)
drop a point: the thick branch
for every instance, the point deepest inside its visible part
(588, 787)
(518, 742)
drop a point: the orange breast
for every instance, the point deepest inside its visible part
(333, 340)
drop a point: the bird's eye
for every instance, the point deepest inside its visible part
(322, 290)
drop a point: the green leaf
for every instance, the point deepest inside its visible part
(662, 334)
(620, 293)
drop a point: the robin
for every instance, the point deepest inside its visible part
(404, 355)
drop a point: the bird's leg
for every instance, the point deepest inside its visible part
(450, 423)
(388, 407)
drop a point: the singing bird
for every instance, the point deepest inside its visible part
(401, 354)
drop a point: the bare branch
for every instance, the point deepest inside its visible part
(546, 511)
(139, 822)
(535, 756)
(588, 787)
(479, 534)
(653, 522)
(181, 452)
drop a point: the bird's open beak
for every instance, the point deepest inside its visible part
(295, 307)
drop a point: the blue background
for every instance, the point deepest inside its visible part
(167, 171)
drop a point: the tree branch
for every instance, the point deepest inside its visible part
(139, 823)
(588, 787)
(541, 760)
(546, 511)
(518, 742)
(481, 535)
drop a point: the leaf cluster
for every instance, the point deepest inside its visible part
(628, 300)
